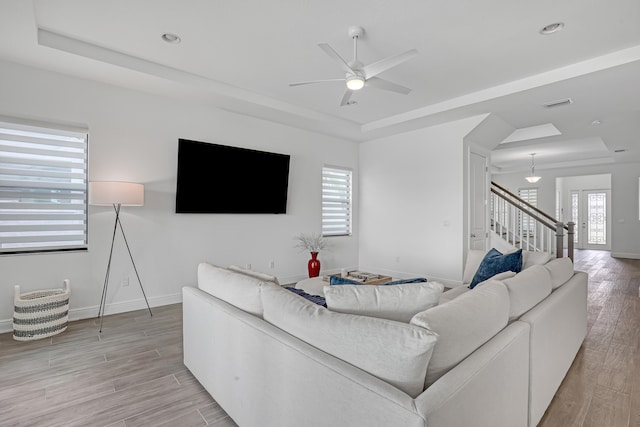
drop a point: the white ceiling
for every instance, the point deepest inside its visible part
(474, 58)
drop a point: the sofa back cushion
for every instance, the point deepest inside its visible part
(397, 302)
(474, 258)
(237, 289)
(531, 258)
(255, 274)
(395, 352)
(561, 270)
(526, 289)
(463, 325)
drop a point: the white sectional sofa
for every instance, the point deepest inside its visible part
(490, 356)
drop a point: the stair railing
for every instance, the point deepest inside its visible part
(525, 226)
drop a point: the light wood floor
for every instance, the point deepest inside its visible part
(602, 387)
(132, 374)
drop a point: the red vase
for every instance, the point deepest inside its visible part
(314, 265)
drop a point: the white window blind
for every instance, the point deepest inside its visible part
(43, 189)
(529, 195)
(336, 201)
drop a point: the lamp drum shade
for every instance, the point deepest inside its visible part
(107, 193)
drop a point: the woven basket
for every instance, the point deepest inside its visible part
(40, 314)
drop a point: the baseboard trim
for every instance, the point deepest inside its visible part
(114, 308)
(625, 255)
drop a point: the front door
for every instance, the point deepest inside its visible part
(593, 223)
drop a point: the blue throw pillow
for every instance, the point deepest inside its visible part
(494, 262)
(313, 298)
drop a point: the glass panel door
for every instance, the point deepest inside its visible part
(595, 223)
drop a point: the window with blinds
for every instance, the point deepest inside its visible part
(43, 189)
(530, 195)
(336, 201)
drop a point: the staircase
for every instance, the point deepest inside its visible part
(524, 226)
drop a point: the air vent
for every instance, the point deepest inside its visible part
(620, 150)
(558, 103)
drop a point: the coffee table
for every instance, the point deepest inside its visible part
(314, 285)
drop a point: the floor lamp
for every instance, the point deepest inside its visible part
(116, 194)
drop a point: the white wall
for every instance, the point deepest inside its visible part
(133, 137)
(411, 194)
(625, 225)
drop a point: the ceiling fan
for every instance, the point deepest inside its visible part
(358, 74)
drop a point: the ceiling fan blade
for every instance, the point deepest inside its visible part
(316, 81)
(332, 53)
(346, 97)
(379, 83)
(384, 64)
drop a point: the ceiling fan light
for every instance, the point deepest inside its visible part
(355, 82)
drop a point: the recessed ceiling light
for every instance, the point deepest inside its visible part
(596, 122)
(552, 28)
(171, 38)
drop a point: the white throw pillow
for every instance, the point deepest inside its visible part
(526, 289)
(237, 289)
(463, 324)
(395, 352)
(256, 274)
(393, 302)
(561, 270)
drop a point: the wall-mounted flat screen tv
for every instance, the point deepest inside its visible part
(215, 178)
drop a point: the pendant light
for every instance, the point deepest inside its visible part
(533, 178)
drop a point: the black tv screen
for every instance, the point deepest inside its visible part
(215, 178)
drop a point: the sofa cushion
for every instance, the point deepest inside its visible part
(463, 325)
(561, 270)
(255, 274)
(499, 277)
(397, 353)
(526, 289)
(531, 258)
(459, 290)
(237, 289)
(388, 302)
(474, 258)
(495, 262)
(453, 293)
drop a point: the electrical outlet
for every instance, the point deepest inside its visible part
(247, 266)
(125, 282)
(272, 264)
